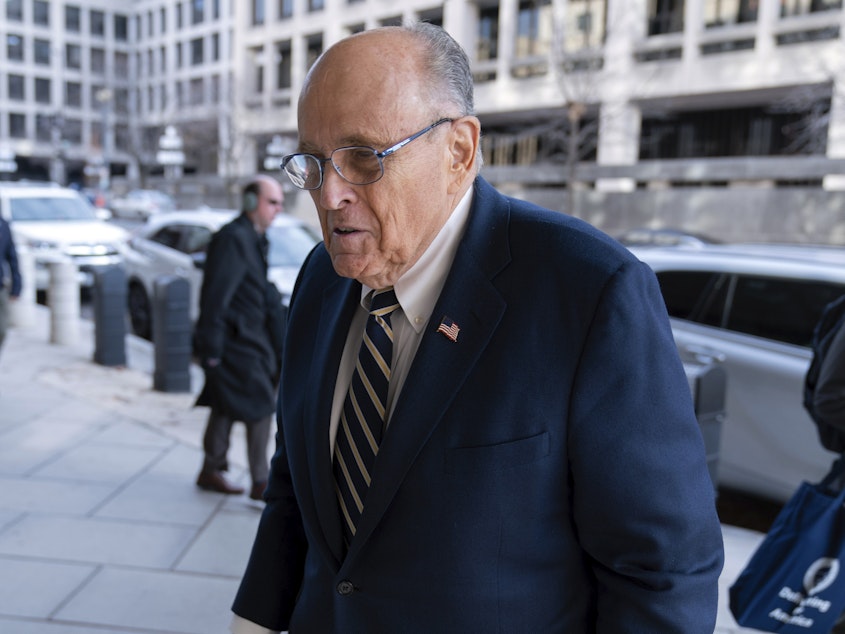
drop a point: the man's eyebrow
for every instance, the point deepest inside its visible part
(350, 141)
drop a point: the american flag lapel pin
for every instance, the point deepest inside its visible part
(449, 328)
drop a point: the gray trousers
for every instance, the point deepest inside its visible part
(4, 313)
(218, 431)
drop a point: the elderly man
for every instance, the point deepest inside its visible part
(484, 425)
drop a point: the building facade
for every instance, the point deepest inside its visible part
(580, 100)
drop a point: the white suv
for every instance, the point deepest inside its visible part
(753, 308)
(53, 221)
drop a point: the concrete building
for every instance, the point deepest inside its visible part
(698, 113)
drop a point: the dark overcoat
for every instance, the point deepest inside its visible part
(238, 324)
(544, 472)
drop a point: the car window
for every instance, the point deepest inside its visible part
(197, 239)
(50, 208)
(779, 309)
(168, 236)
(695, 295)
(289, 245)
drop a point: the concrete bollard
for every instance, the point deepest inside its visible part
(110, 316)
(63, 299)
(172, 332)
(22, 310)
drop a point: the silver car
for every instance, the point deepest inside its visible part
(175, 243)
(753, 308)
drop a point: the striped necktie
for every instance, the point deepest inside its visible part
(364, 412)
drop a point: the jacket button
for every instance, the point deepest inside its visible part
(345, 587)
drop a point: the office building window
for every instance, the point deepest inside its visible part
(14, 47)
(42, 90)
(42, 52)
(73, 56)
(16, 87)
(534, 24)
(121, 64)
(197, 11)
(43, 127)
(215, 9)
(488, 33)
(14, 10)
(73, 94)
(215, 89)
(722, 12)
(665, 16)
(283, 65)
(151, 99)
(121, 27)
(41, 13)
(802, 7)
(197, 51)
(315, 5)
(314, 48)
(121, 100)
(196, 88)
(257, 12)
(215, 47)
(122, 138)
(98, 61)
(257, 56)
(163, 58)
(584, 26)
(150, 60)
(178, 55)
(179, 16)
(73, 19)
(151, 27)
(285, 9)
(162, 18)
(98, 23)
(17, 125)
(180, 102)
(72, 131)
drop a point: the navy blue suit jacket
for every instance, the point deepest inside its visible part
(543, 473)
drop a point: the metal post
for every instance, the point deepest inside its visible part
(172, 334)
(63, 299)
(110, 316)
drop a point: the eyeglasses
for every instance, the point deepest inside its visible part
(357, 164)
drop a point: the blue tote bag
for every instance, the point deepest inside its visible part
(795, 580)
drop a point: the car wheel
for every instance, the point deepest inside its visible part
(140, 312)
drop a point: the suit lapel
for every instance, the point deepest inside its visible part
(441, 366)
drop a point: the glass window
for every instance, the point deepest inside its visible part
(14, 47)
(285, 9)
(98, 61)
(665, 16)
(41, 12)
(17, 87)
(802, 7)
(169, 236)
(163, 19)
(73, 94)
(14, 10)
(257, 12)
(215, 9)
(42, 52)
(98, 23)
(179, 16)
(121, 27)
(121, 64)
(283, 66)
(151, 27)
(42, 90)
(779, 309)
(534, 23)
(17, 125)
(73, 56)
(196, 91)
(315, 5)
(121, 100)
(73, 18)
(163, 56)
(488, 33)
(215, 47)
(122, 138)
(178, 55)
(721, 12)
(43, 127)
(197, 11)
(197, 51)
(314, 48)
(694, 295)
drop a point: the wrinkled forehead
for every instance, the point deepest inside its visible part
(370, 84)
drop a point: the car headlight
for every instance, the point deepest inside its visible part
(42, 245)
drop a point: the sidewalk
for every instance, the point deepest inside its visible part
(102, 530)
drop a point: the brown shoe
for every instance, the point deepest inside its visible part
(214, 481)
(257, 491)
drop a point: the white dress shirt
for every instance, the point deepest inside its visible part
(417, 291)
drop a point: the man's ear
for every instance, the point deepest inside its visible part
(463, 149)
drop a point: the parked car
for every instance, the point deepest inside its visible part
(175, 243)
(753, 308)
(663, 237)
(52, 222)
(140, 204)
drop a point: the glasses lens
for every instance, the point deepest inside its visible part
(358, 165)
(303, 170)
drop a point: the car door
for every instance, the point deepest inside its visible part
(758, 327)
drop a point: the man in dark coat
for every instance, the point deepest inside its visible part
(8, 262)
(237, 339)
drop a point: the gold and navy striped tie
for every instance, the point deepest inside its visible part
(363, 418)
